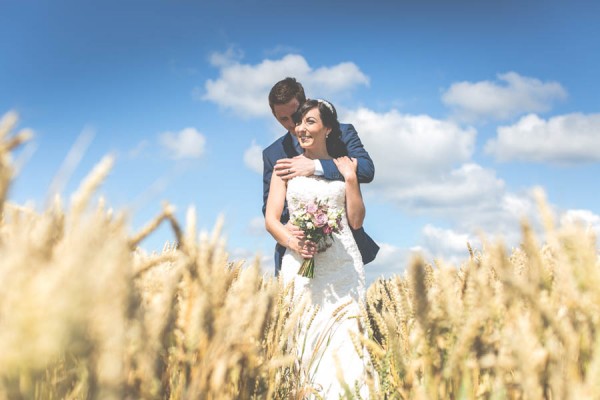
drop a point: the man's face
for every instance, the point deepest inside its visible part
(283, 113)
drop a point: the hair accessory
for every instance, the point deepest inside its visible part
(327, 104)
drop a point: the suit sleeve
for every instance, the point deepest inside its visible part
(366, 169)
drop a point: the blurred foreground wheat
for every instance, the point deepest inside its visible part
(524, 325)
(85, 314)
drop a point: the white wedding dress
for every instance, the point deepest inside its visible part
(337, 290)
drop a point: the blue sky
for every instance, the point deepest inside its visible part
(464, 106)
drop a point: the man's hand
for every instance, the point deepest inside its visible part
(288, 168)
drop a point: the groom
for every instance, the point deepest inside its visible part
(285, 158)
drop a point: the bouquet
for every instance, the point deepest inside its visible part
(318, 222)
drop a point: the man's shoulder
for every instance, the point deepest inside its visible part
(276, 146)
(347, 129)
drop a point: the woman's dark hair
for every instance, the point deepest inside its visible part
(335, 146)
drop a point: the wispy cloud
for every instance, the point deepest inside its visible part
(571, 138)
(512, 95)
(281, 50)
(243, 88)
(187, 143)
(229, 57)
(253, 158)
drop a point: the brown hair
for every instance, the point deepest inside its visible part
(285, 90)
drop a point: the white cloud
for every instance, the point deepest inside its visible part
(253, 158)
(500, 222)
(187, 143)
(587, 219)
(519, 206)
(469, 186)
(514, 96)
(389, 261)
(425, 167)
(410, 148)
(249, 257)
(448, 244)
(244, 88)
(570, 138)
(489, 223)
(499, 219)
(422, 164)
(328, 80)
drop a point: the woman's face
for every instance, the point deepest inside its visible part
(311, 130)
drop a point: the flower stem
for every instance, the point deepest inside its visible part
(307, 269)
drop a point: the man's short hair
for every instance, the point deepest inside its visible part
(285, 90)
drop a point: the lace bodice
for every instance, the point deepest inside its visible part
(303, 189)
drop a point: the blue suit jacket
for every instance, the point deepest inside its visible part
(287, 147)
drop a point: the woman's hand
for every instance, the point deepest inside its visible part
(347, 166)
(305, 248)
(297, 242)
(294, 230)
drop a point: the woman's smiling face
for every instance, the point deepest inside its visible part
(311, 130)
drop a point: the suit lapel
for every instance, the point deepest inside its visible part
(299, 149)
(290, 146)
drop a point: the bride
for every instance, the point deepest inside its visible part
(330, 360)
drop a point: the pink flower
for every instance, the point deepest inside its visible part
(320, 220)
(311, 208)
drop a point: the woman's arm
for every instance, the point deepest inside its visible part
(280, 233)
(355, 207)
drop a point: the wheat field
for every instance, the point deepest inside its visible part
(85, 314)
